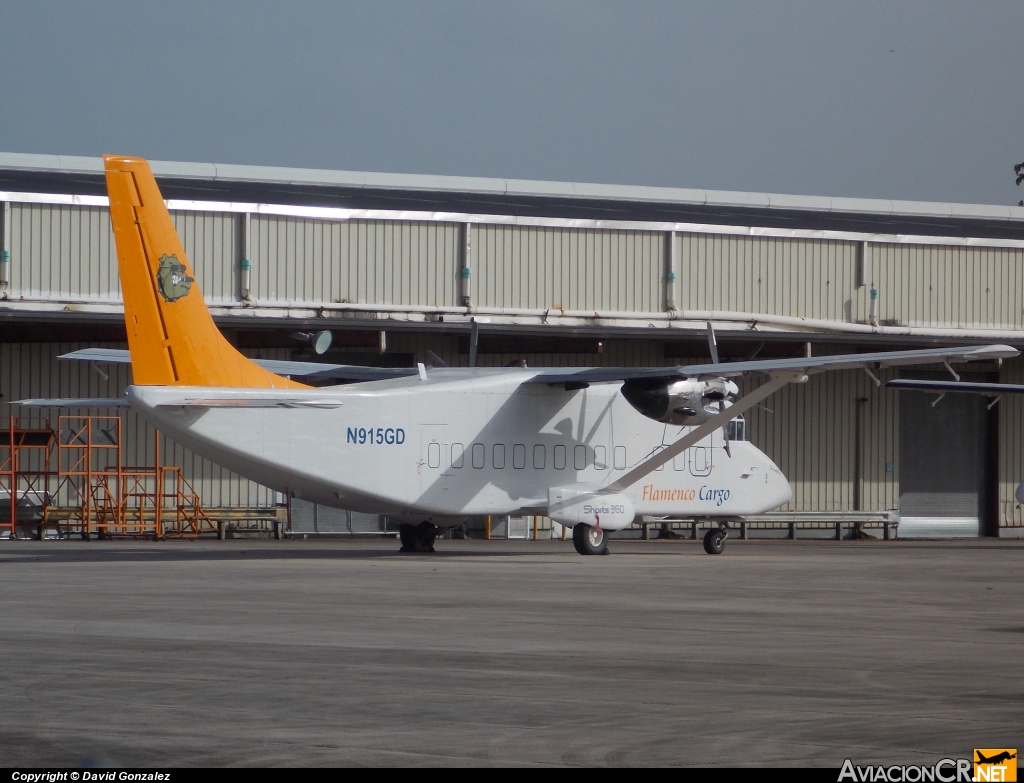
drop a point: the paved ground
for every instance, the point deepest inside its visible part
(341, 652)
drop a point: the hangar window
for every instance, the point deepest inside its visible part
(539, 456)
(478, 455)
(679, 461)
(457, 455)
(498, 457)
(620, 457)
(580, 457)
(434, 455)
(600, 457)
(519, 456)
(559, 457)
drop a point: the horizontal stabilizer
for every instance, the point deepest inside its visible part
(72, 402)
(990, 389)
(316, 370)
(253, 402)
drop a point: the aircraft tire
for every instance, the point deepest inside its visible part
(407, 535)
(417, 538)
(714, 541)
(589, 540)
(426, 534)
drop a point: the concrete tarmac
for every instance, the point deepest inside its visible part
(345, 652)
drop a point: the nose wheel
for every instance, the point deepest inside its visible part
(590, 540)
(714, 541)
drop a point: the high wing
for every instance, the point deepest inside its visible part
(312, 370)
(805, 365)
(988, 389)
(782, 372)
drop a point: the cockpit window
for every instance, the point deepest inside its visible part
(736, 429)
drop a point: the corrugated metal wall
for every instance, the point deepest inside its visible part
(62, 252)
(943, 286)
(567, 269)
(374, 262)
(66, 252)
(811, 278)
(212, 243)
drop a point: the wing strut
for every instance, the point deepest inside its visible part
(747, 401)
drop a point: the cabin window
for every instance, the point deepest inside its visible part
(580, 457)
(539, 456)
(620, 457)
(559, 457)
(457, 455)
(478, 455)
(498, 457)
(600, 457)
(519, 456)
(679, 461)
(434, 455)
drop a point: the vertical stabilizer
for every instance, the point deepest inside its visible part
(171, 335)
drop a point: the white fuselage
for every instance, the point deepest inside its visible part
(454, 445)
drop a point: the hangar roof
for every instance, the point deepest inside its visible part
(482, 195)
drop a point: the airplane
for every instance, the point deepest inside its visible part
(1004, 756)
(592, 448)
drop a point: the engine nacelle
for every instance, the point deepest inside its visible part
(687, 402)
(1019, 494)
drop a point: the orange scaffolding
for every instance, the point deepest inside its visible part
(73, 479)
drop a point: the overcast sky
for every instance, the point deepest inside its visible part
(916, 100)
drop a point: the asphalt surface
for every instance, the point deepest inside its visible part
(345, 652)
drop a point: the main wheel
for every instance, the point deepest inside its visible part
(417, 538)
(426, 534)
(407, 535)
(714, 541)
(590, 540)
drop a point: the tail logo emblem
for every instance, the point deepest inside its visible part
(172, 279)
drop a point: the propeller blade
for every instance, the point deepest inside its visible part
(712, 344)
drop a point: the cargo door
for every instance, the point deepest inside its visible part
(943, 465)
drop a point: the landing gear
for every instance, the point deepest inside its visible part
(590, 540)
(417, 538)
(714, 541)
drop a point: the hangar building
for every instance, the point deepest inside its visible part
(559, 273)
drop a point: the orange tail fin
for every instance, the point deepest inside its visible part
(171, 336)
